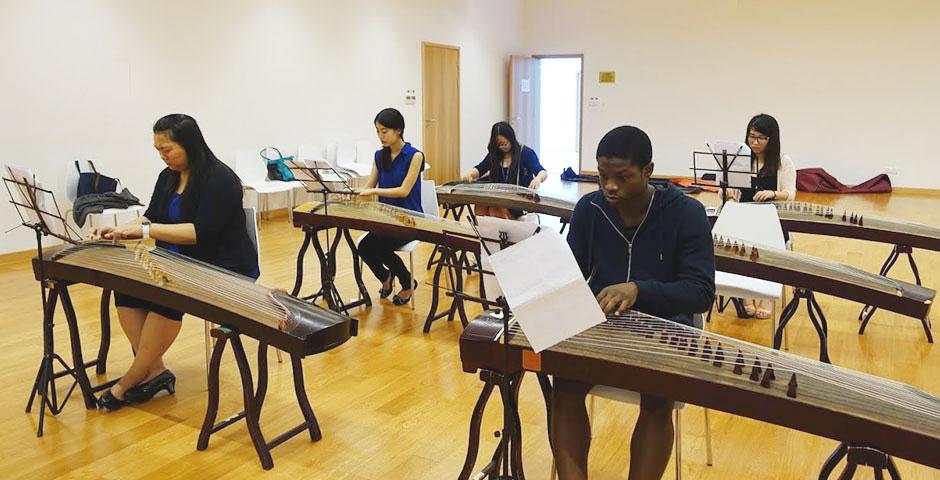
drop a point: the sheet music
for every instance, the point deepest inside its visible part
(545, 289)
(739, 175)
(39, 202)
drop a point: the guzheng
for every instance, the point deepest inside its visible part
(655, 356)
(823, 220)
(822, 276)
(504, 195)
(202, 290)
(387, 219)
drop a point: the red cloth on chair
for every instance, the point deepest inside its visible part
(817, 180)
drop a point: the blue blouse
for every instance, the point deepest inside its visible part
(174, 214)
(396, 176)
(529, 167)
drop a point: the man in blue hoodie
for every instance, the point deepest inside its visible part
(640, 248)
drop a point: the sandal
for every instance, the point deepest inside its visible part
(398, 300)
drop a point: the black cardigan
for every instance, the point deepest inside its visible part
(213, 204)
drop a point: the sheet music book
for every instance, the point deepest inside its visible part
(739, 175)
(544, 287)
(38, 201)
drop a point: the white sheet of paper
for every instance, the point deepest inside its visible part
(545, 289)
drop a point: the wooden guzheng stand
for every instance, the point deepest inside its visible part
(809, 274)
(904, 237)
(456, 198)
(654, 356)
(238, 305)
(456, 239)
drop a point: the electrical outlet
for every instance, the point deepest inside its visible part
(594, 101)
(892, 170)
(410, 97)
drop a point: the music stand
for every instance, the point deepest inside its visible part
(319, 176)
(39, 212)
(725, 155)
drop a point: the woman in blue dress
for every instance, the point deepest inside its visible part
(395, 180)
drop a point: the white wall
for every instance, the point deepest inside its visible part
(854, 84)
(87, 79)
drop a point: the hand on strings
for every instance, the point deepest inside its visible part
(733, 194)
(132, 231)
(534, 184)
(765, 195)
(99, 233)
(617, 299)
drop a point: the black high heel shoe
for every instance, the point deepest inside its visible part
(385, 292)
(397, 300)
(145, 391)
(109, 402)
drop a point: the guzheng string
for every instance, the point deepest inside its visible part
(810, 212)
(499, 188)
(185, 275)
(798, 261)
(391, 214)
(636, 333)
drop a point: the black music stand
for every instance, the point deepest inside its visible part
(30, 201)
(316, 178)
(725, 162)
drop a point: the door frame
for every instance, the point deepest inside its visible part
(580, 103)
(424, 93)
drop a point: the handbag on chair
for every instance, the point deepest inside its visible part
(277, 169)
(94, 182)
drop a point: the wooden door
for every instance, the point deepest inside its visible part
(441, 107)
(524, 91)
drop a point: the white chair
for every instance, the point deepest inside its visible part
(756, 224)
(630, 397)
(251, 169)
(430, 207)
(252, 226)
(71, 194)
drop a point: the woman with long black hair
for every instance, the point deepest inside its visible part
(776, 174)
(507, 161)
(775, 180)
(395, 180)
(195, 210)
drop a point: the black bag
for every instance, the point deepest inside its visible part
(277, 169)
(94, 182)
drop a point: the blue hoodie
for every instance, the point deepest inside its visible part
(670, 257)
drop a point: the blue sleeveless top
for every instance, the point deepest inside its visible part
(396, 176)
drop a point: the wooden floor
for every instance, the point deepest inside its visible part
(394, 403)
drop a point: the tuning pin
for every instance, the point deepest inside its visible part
(739, 364)
(681, 343)
(754, 254)
(853, 220)
(735, 247)
(693, 347)
(843, 216)
(673, 341)
(769, 372)
(663, 337)
(756, 370)
(743, 251)
(791, 387)
(861, 222)
(707, 351)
